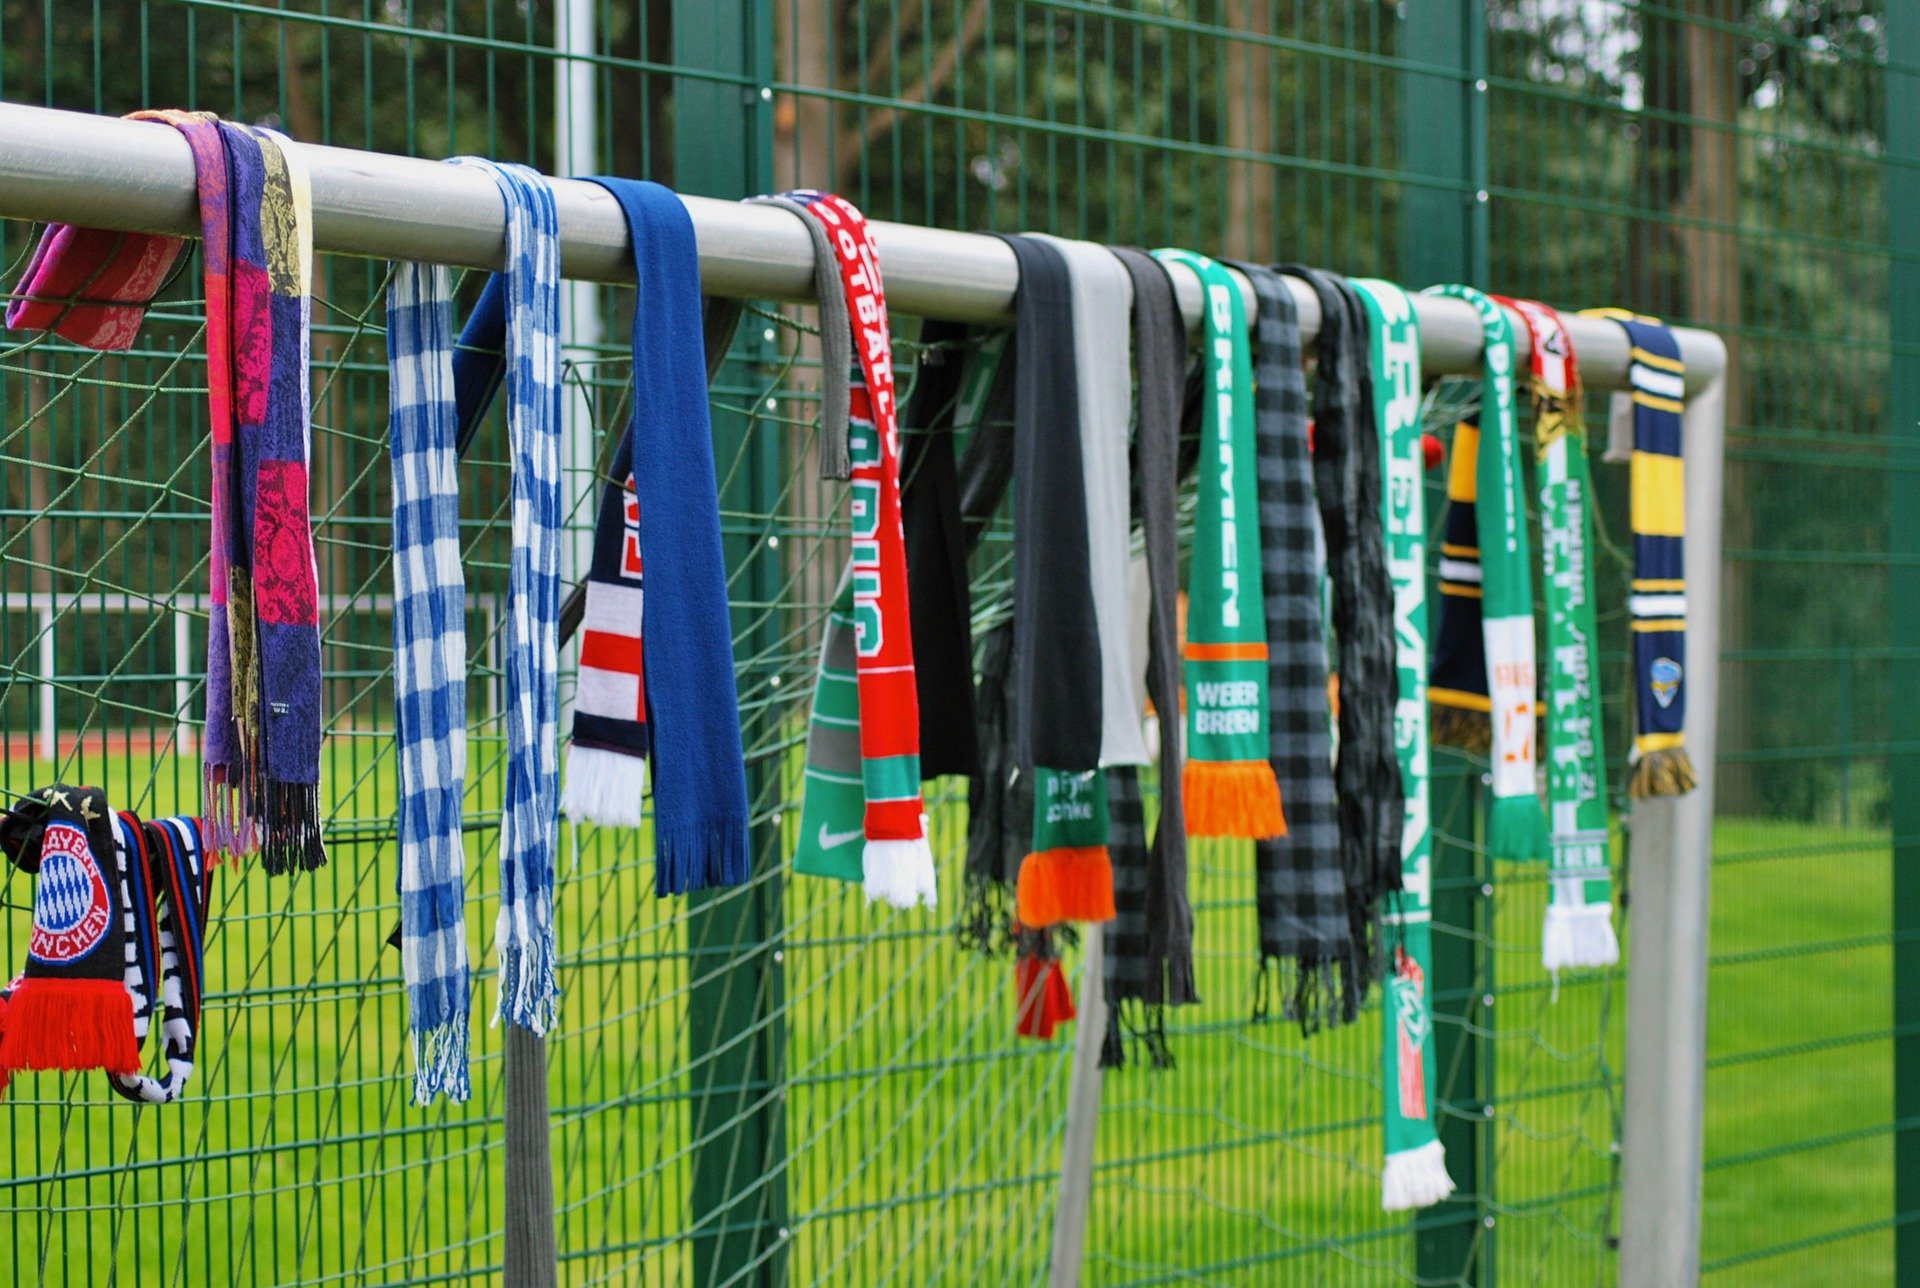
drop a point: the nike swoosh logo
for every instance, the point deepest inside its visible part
(834, 840)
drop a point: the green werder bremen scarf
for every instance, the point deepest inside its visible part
(1415, 1174)
(1516, 826)
(1579, 924)
(1227, 787)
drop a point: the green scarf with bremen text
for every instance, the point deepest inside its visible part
(1516, 825)
(1415, 1173)
(1228, 786)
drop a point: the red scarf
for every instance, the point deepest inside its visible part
(889, 702)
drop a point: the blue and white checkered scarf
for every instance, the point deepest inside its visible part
(430, 642)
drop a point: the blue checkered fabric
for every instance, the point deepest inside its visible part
(430, 670)
(530, 819)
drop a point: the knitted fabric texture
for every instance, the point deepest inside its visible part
(1346, 467)
(1301, 888)
(693, 708)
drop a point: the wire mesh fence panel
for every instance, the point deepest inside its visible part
(839, 1085)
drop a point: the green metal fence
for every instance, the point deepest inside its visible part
(781, 1083)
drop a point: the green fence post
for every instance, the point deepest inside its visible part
(1902, 170)
(723, 147)
(1443, 238)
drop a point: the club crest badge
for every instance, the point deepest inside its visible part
(71, 910)
(1664, 678)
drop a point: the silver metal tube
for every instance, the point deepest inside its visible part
(1672, 869)
(138, 175)
(1075, 1195)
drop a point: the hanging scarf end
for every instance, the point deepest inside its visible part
(290, 834)
(1231, 798)
(529, 993)
(1579, 936)
(1667, 772)
(701, 857)
(1043, 996)
(1415, 1178)
(1071, 883)
(440, 1063)
(604, 787)
(69, 1024)
(900, 872)
(1517, 829)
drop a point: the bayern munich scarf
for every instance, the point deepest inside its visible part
(262, 745)
(69, 1009)
(1149, 944)
(896, 861)
(1227, 785)
(687, 684)
(1346, 470)
(1579, 918)
(1659, 764)
(163, 888)
(1415, 1172)
(1068, 873)
(1301, 892)
(1516, 825)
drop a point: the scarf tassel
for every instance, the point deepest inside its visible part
(440, 1063)
(1149, 1029)
(1668, 772)
(1231, 798)
(1043, 995)
(69, 1024)
(529, 992)
(604, 787)
(290, 833)
(1579, 936)
(1415, 1178)
(715, 853)
(229, 821)
(1517, 828)
(1070, 883)
(900, 872)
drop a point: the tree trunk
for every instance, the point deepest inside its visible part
(1712, 257)
(1249, 128)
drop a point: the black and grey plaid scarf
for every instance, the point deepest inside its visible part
(1302, 890)
(1346, 471)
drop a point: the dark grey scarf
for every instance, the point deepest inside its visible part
(1346, 471)
(1302, 887)
(1149, 946)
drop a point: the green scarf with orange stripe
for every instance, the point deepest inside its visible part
(1228, 786)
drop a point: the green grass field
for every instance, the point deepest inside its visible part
(922, 1137)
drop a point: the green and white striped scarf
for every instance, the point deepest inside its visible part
(1516, 825)
(1415, 1173)
(1579, 920)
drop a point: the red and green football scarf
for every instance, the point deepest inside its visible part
(896, 861)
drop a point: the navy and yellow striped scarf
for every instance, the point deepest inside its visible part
(1457, 692)
(1658, 602)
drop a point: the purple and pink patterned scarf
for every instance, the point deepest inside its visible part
(262, 748)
